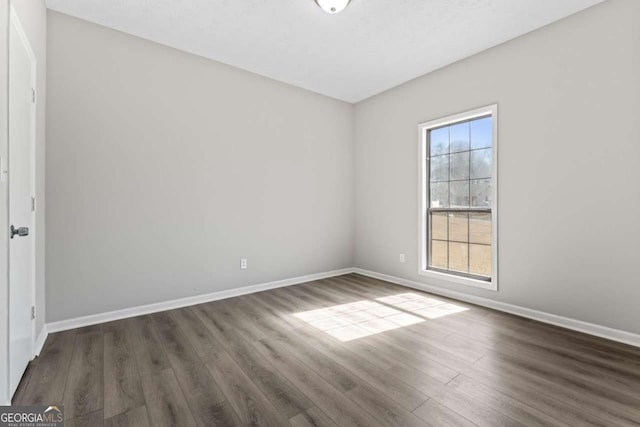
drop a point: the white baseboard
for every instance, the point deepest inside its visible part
(37, 348)
(95, 319)
(565, 322)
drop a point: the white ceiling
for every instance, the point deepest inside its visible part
(370, 47)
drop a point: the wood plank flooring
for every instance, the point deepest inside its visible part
(346, 351)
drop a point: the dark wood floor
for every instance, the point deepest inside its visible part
(275, 358)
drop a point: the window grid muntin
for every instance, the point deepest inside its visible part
(449, 240)
(448, 210)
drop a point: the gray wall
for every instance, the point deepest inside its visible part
(164, 169)
(569, 192)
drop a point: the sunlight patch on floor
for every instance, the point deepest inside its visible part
(430, 308)
(358, 319)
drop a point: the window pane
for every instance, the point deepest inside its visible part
(481, 161)
(459, 137)
(459, 227)
(439, 256)
(460, 166)
(459, 197)
(480, 193)
(460, 181)
(440, 168)
(439, 141)
(482, 133)
(480, 228)
(440, 195)
(439, 225)
(480, 260)
(459, 256)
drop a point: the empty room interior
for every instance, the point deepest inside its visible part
(319, 213)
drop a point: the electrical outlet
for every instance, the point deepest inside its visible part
(243, 264)
(402, 258)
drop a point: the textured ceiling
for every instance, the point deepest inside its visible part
(370, 47)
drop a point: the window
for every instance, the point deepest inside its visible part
(458, 217)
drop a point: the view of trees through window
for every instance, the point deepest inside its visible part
(460, 188)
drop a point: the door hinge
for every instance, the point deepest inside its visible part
(33, 204)
(33, 312)
(33, 95)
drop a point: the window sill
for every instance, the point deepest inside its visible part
(452, 278)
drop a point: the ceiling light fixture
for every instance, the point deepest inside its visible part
(332, 6)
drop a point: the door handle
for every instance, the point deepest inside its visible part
(20, 231)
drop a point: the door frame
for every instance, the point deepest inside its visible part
(14, 20)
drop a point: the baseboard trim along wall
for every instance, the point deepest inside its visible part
(37, 348)
(95, 319)
(565, 322)
(541, 316)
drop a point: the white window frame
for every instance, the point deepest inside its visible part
(424, 197)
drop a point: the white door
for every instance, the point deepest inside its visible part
(21, 137)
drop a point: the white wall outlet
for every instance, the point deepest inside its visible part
(243, 264)
(402, 258)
